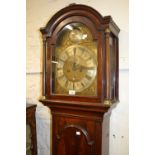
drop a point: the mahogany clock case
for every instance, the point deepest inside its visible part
(77, 119)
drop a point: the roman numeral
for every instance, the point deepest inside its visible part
(88, 77)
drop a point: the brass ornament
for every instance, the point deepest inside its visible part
(107, 30)
(42, 97)
(107, 103)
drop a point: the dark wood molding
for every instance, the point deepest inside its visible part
(71, 10)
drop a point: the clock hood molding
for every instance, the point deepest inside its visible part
(80, 10)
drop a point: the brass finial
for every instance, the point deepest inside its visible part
(107, 103)
(107, 30)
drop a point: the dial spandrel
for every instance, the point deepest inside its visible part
(75, 68)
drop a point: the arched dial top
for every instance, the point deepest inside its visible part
(74, 61)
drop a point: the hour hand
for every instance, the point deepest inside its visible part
(74, 66)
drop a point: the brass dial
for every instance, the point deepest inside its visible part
(76, 68)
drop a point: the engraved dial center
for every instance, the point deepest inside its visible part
(73, 70)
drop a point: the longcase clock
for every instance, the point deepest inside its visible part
(80, 78)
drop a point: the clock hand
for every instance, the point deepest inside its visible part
(74, 66)
(87, 68)
(74, 52)
(74, 63)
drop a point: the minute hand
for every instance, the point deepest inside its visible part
(87, 68)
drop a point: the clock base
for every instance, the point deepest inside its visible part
(78, 130)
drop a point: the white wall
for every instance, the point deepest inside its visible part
(38, 14)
